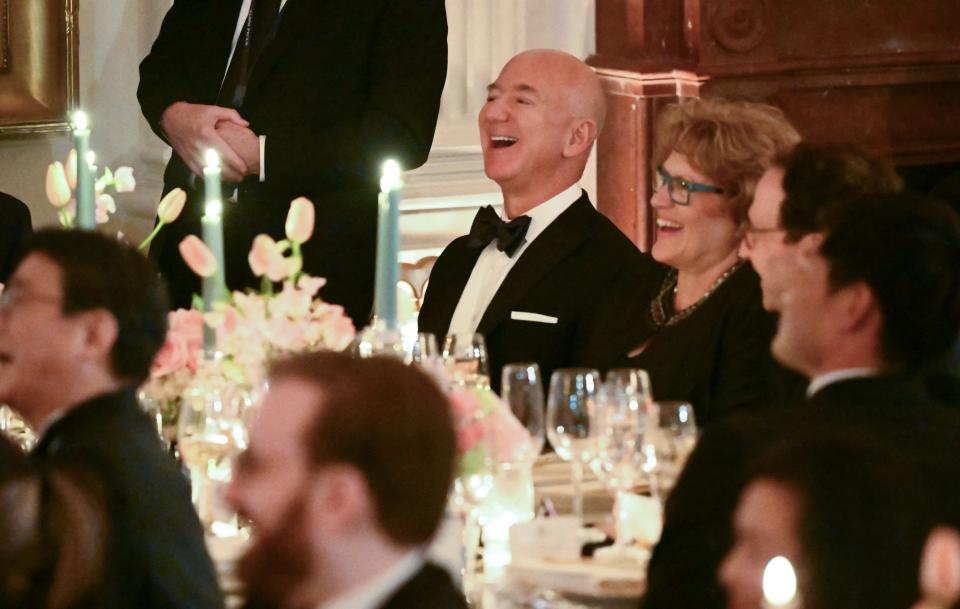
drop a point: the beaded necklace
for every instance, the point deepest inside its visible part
(663, 301)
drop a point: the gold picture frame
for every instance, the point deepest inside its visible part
(38, 91)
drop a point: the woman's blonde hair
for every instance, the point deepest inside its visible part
(731, 142)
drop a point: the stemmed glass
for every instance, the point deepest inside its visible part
(522, 390)
(465, 356)
(620, 420)
(667, 443)
(211, 431)
(631, 380)
(569, 407)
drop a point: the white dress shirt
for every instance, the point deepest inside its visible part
(376, 592)
(493, 265)
(828, 378)
(241, 20)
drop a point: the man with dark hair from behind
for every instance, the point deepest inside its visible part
(80, 323)
(345, 479)
(842, 333)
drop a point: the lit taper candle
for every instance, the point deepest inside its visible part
(214, 287)
(388, 245)
(86, 197)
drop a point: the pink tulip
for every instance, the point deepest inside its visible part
(173, 355)
(58, 191)
(940, 567)
(171, 205)
(311, 285)
(469, 436)
(465, 405)
(72, 169)
(300, 220)
(105, 206)
(265, 259)
(339, 333)
(123, 179)
(198, 256)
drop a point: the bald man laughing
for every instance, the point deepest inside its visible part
(536, 280)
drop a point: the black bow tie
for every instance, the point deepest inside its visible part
(488, 226)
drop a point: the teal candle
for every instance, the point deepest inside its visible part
(214, 287)
(86, 179)
(388, 245)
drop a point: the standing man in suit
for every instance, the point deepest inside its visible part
(300, 98)
(342, 502)
(15, 227)
(80, 323)
(535, 282)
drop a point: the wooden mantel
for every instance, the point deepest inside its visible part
(881, 73)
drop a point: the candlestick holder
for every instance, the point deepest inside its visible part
(378, 339)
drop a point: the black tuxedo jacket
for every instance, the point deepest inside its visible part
(697, 533)
(338, 88)
(429, 588)
(156, 556)
(571, 271)
(15, 227)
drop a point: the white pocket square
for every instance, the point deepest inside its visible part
(537, 317)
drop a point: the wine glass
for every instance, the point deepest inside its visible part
(424, 349)
(620, 420)
(522, 390)
(569, 406)
(211, 431)
(465, 356)
(667, 443)
(631, 380)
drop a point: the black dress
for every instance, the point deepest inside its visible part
(717, 357)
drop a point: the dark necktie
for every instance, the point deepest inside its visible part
(255, 32)
(488, 226)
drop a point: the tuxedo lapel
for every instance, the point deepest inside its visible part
(294, 15)
(559, 240)
(445, 294)
(223, 25)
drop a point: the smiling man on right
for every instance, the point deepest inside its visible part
(535, 280)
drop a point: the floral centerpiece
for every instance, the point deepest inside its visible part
(251, 327)
(61, 183)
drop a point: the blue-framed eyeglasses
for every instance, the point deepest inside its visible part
(679, 189)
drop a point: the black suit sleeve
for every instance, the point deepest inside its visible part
(163, 71)
(406, 74)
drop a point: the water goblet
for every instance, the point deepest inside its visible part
(465, 356)
(667, 443)
(569, 406)
(522, 390)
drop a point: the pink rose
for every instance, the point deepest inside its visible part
(338, 333)
(173, 355)
(171, 205)
(198, 256)
(469, 436)
(123, 179)
(311, 285)
(300, 219)
(465, 405)
(58, 190)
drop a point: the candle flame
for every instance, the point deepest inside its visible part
(80, 121)
(213, 209)
(391, 176)
(91, 158)
(212, 158)
(779, 582)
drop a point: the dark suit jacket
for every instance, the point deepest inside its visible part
(15, 227)
(339, 88)
(697, 531)
(719, 357)
(571, 271)
(429, 588)
(156, 555)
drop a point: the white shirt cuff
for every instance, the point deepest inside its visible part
(263, 165)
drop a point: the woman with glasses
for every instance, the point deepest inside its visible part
(706, 336)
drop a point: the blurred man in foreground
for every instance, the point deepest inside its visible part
(346, 478)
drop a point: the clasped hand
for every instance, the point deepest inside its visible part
(193, 128)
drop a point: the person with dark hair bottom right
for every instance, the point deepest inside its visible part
(342, 501)
(868, 290)
(81, 321)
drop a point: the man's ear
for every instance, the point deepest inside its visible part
(581, 138)
(344, 494)
(99, 333)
